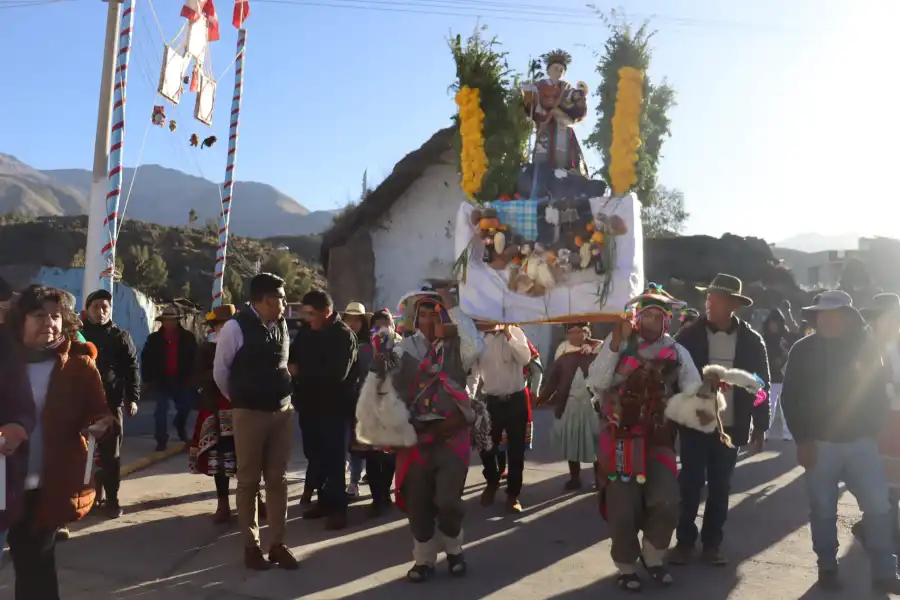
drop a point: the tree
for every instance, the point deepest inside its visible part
(233, 285)
(297, 281)
(148, 270)
(664, 215)
(193, 217)
(629, 47)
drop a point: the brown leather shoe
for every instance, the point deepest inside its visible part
(254, 559)
(513, 505)
(680, 555)
(281, 555)
(714, 557)
(336, 521)
(223, 512)
(488, 495)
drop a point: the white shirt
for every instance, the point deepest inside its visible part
(229, 340)
(501, 364)
(39, 376)
(722, 346)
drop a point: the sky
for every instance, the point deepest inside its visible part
(783, 125)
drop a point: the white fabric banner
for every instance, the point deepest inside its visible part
(485, 294)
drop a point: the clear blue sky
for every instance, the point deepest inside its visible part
(784, 121)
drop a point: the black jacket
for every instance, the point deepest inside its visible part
(749, 355)
(325, 384)
(835, 389)
(117, 362)
(153, 358)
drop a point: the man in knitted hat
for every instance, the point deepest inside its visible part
(638, 369)
(117, 361)
(430, 374)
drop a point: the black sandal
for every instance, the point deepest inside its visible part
(630, 582)
(660, 574)
(420, 573)
(456, 563)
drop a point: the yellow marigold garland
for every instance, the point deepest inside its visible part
(626, 130)
(471, 129)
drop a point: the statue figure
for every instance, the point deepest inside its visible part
(555, 106)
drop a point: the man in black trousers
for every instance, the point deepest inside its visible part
(117, 362)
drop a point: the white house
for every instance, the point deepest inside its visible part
(402, 234)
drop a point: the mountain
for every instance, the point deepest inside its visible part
(160, 195)
(817, 242)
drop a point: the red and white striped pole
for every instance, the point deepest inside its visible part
(228, 186)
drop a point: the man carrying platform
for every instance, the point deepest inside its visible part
(636, 372)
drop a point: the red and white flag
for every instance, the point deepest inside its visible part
(193, 9)
(241, 12)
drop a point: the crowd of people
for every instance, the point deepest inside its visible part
(466, 389)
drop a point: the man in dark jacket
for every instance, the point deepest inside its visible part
(322, 360)
(835, 400)
(719, 338)
(6, 298)
(117, 362)
(166, 363)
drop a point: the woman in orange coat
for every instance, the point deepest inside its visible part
(69, 402)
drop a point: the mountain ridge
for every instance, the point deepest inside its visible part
(159, 195)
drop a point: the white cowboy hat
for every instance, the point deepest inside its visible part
(357, 309)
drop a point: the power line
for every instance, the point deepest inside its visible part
(10, 4)
(589, 17)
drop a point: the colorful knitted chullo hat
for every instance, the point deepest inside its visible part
(656, 298)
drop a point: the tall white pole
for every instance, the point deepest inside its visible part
(94, 259)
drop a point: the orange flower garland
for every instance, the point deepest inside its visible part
(626, 130)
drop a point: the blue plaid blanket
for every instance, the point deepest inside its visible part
(520, 216)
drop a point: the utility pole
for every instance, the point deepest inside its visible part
(94, 261)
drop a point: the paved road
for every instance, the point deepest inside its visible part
(166, 546)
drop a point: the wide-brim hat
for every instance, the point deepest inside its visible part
(220, 314)
(730, 286)
(356, 309)
(881, 305)
(831, 300)
(169, 313)
(409, 306)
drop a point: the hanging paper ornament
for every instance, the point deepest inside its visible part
(159, 115)
(195, 79)
(195, 140)
(208, 142)
(172, 125)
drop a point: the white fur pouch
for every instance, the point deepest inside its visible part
(382, 418)
(699, 408)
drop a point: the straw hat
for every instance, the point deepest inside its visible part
(356, 309)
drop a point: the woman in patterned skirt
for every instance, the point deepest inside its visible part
(212, 447)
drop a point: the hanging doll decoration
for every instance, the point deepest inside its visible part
(172, 125)
(491, 232)
(208, 142)
(159, 115)
(195, 140)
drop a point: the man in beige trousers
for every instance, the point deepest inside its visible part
(251, 370)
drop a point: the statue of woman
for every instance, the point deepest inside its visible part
(555, 106)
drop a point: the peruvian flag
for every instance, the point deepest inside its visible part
(194, 9)
(241, 12)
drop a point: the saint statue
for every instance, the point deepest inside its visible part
(555, 106)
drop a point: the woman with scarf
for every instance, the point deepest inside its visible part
(212, 449)
(634, 375)
(776, 336)
(46, 486)
(576, 427)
